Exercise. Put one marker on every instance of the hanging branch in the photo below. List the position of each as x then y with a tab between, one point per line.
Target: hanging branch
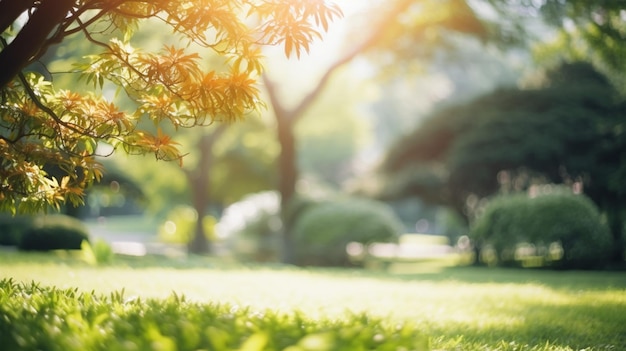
375	35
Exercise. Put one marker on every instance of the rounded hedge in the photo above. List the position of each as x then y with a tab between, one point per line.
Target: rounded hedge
501	228
322	232
565	230
55	232
12	227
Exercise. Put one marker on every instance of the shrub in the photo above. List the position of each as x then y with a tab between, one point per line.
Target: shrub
12	227
564	230
500	228
299	204
323	231
98	253
56	232
574	222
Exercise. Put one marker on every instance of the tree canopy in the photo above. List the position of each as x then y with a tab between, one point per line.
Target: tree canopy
42	127
589	29
569	130
390	27
556	129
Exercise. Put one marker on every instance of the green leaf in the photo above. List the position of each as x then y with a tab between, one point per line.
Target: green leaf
256	342
87	253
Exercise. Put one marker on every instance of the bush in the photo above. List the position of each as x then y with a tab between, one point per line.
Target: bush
322	232
12	227
98	253
584	238
298	205
56	232
563	230
501	228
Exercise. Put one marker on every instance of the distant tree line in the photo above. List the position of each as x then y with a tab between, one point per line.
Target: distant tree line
569	129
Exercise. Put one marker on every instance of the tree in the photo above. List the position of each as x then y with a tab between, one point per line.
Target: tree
202	162
222	174
384	33
225	162
587	31
568	131
332	132
43	127
199	181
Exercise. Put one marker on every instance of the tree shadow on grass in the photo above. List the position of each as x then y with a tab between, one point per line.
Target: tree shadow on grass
578	327
587	280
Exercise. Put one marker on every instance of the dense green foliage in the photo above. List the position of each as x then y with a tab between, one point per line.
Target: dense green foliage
56	232
206	70
253	228
592	32
42	233
12	227
97	254
562	230
566	129
34	318
322	232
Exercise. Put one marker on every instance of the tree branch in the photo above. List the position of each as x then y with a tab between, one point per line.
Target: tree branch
375	35
31	94
270	86
28	42
11	10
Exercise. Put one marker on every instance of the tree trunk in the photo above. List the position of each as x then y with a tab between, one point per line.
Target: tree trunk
199	244
30	40
10	10
287	178
286	120
200	182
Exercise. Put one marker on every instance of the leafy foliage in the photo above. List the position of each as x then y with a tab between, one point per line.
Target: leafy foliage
592	32
42	233
44	127
549	223
12	227
322	231
97	254
55	232
519	134
464	308
35	317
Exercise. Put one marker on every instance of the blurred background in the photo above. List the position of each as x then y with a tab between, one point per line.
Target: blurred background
407	133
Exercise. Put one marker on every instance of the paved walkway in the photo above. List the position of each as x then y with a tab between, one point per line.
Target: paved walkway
136	243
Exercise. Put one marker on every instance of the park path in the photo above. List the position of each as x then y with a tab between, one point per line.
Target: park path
134	243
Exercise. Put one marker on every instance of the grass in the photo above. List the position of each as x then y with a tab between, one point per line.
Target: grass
458	308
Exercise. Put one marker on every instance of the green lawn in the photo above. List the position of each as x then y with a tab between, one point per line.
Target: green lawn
458	308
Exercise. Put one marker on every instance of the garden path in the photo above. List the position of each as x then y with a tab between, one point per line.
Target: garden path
133	242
